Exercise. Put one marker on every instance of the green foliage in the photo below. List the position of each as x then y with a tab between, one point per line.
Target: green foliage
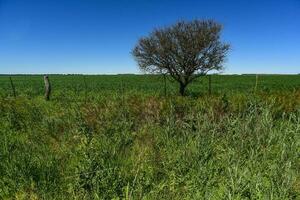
138	144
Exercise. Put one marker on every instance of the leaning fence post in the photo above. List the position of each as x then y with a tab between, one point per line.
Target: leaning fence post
12	87
122	92
256	83
47	88
209	84
165	85
85	89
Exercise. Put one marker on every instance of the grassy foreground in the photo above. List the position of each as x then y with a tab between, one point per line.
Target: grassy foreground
138	146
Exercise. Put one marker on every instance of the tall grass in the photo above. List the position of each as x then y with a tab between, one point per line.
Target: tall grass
141	146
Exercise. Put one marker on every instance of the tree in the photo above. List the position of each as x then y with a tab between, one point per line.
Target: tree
185	50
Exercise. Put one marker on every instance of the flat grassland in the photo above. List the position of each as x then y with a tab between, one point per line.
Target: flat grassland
130	137
32	85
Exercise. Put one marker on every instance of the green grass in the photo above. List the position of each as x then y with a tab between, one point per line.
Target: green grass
139	144
77	85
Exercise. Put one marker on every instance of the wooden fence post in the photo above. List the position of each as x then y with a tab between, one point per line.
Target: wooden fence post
85	89
165	85
12	87
256	83
122	92
209	84
47	88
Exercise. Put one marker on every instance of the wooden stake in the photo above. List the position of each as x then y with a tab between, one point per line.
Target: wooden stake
12	87
47	88
256	83
122	92
85	89
165	85
209	84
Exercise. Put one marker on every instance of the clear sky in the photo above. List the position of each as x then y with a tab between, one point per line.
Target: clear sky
97	36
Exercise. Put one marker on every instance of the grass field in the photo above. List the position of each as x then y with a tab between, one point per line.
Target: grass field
120	137
147	84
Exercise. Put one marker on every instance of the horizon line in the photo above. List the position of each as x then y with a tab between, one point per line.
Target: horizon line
114	74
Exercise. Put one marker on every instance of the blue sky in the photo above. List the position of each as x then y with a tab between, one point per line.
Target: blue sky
97	36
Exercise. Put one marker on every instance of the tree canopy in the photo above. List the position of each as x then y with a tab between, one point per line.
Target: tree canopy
185	50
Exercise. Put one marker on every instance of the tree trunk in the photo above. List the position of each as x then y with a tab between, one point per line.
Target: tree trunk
209	84
182	89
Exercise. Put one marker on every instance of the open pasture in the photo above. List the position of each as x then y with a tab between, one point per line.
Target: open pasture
120	137
78	85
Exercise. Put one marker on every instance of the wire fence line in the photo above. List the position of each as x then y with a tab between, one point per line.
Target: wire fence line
85	86
35	87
